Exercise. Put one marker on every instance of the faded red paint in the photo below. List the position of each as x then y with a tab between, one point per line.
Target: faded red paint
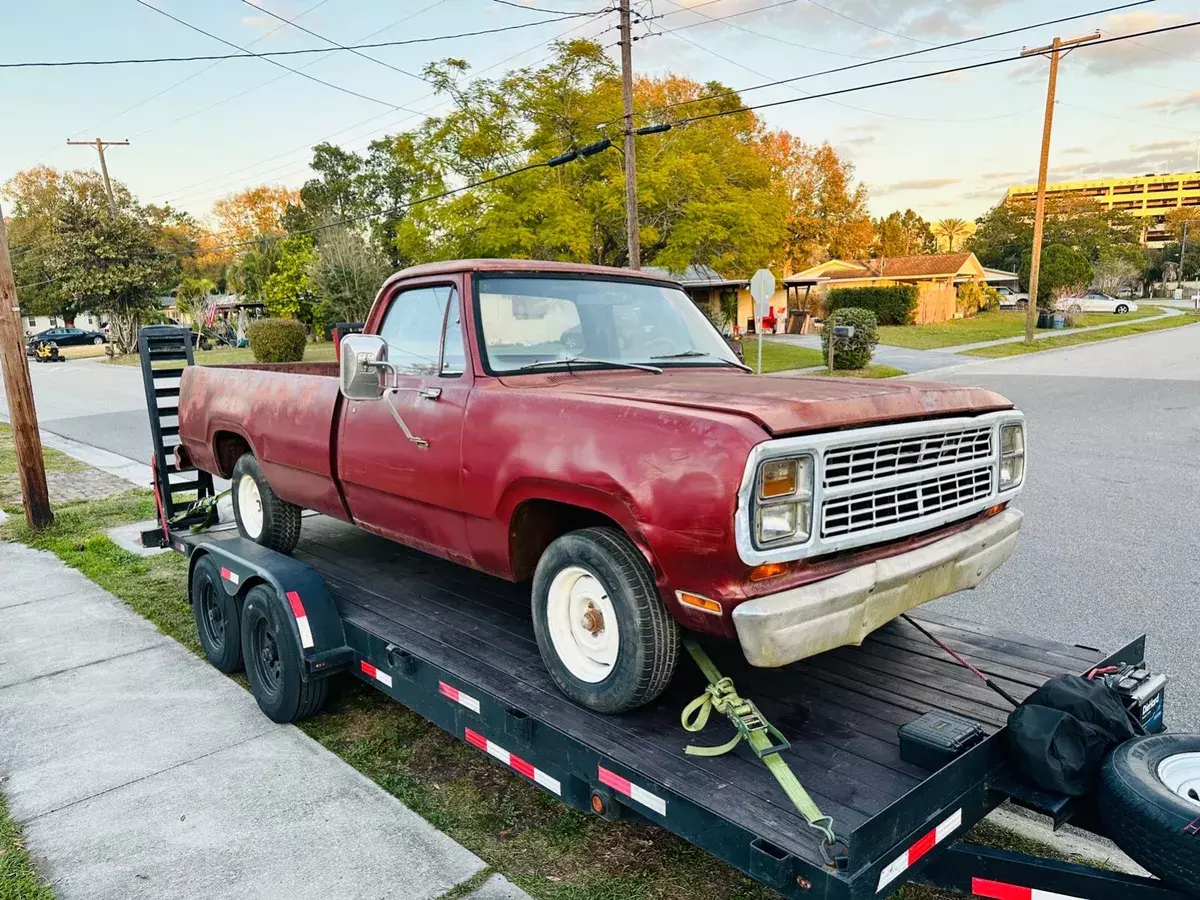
662	456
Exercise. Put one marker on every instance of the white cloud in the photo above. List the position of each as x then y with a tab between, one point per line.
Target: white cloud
914	184
1176	103
1158	50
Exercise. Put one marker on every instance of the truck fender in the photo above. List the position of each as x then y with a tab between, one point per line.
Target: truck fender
315	622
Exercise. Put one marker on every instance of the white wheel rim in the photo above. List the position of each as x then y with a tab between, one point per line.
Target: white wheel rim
1181	774
250	509
582	624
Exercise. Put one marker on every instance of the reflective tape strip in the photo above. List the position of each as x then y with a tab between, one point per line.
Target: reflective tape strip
306	635
458	696
927	842
378	675
998	890
515	762
632	791
231	577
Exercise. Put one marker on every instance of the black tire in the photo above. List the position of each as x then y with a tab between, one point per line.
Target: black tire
1147	819
218	617
97	340
648	649
1122	309
273	665
280	528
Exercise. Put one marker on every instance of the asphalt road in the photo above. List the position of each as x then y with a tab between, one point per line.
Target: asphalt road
1109	548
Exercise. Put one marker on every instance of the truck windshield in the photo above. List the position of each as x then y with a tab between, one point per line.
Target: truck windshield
542	320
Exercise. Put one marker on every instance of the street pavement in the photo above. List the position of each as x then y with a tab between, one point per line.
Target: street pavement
1109	543
138	771
900	357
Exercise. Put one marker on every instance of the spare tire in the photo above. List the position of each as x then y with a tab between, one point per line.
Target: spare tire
1150	805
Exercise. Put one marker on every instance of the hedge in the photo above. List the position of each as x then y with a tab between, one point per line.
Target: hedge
855	352
277	340
892	304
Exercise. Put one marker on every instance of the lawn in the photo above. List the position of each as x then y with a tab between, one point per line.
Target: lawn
1069	339
987	326
874	370
225	356
10	485
780	356
18	880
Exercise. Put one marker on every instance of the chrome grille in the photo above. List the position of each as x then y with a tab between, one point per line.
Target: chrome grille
868	510
895	456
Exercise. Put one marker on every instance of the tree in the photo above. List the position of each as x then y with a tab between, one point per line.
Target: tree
253	213
949	231
345	274
1118	267
1062	268
191	297
288	291
248	275
902	234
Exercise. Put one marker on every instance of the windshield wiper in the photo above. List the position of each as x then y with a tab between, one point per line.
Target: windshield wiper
586	361
687	354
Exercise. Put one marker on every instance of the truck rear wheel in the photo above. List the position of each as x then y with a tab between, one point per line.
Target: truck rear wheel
262	516
273	663
603	632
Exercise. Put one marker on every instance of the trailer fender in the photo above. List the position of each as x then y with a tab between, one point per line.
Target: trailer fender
316	623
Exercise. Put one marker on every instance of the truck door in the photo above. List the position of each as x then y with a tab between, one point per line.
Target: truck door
400	457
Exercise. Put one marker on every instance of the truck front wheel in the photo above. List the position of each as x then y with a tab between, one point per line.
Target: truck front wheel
261	515
603	632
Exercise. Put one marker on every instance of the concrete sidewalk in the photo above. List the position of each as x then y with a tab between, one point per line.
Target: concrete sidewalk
138	771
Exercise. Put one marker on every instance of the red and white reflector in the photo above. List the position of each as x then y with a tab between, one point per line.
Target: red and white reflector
634	792
306	637
230	576
928	841
512	761
458	696
378	674
998	890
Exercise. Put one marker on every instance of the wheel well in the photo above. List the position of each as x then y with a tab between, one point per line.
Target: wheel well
228	448
535	524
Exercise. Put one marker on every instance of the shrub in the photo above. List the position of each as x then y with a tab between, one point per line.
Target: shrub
855	352
1062	267
893	304
974	297
277	340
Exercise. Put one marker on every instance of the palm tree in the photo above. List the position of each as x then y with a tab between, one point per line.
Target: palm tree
950	230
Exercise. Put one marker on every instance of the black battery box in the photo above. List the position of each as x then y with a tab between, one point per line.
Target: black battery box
937	738
1143	693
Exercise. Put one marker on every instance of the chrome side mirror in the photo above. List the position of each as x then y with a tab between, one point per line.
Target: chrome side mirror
364	361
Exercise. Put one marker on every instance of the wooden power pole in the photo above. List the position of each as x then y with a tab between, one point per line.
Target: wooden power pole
100	145
22	416
632	228
1055	50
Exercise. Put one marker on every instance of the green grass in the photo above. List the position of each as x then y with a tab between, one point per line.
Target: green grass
987	326
874	370
226	356
779	356
10	485
18	880
1083	337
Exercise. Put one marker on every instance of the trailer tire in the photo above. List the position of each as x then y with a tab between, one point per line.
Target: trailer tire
590	582
262	515
218	617
1145	816
273	664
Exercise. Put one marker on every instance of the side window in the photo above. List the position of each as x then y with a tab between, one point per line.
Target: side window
413	331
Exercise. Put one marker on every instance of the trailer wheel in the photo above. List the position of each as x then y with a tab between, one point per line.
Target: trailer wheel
262	516
603	632
273	661
218	619
1150	805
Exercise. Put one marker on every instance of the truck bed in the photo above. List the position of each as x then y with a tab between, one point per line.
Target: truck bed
840	710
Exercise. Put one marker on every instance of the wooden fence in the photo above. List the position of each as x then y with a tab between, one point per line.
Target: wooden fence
935	303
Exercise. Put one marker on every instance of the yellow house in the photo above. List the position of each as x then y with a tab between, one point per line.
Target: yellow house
935	274
715	294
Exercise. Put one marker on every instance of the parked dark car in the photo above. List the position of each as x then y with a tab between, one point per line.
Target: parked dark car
67	337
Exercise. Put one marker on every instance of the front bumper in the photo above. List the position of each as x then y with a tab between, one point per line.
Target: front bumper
781	628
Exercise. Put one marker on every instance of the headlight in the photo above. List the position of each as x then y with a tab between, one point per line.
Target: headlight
1012	455
784	491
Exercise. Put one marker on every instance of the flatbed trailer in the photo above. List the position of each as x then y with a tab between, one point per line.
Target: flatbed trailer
456	646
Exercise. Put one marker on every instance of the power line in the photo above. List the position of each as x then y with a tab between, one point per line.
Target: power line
1108	115
557	12
270	54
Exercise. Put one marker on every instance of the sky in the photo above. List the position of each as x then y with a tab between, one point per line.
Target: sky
945	146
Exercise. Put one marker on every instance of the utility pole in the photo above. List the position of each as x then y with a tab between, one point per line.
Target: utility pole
1055	49
31	468
100	145
632	230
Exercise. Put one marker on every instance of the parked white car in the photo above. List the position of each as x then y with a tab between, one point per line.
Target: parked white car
1010	299
1095	301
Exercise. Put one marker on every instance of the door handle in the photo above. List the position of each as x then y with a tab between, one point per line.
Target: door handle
430	393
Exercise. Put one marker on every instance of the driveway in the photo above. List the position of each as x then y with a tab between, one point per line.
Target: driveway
1110	536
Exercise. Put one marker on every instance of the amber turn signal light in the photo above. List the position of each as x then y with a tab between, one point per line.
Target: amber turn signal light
698	602
779	479
767	570
992	510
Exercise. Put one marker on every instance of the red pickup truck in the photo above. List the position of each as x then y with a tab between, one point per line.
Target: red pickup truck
589	429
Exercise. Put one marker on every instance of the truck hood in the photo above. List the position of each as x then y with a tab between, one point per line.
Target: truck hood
783	405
